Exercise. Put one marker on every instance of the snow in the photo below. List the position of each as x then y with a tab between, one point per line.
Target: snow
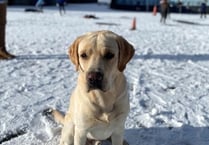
168	76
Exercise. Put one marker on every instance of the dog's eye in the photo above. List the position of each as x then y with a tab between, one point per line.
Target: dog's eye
109	56
83	55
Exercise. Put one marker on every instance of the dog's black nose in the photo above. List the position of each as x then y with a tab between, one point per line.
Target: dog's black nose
95	80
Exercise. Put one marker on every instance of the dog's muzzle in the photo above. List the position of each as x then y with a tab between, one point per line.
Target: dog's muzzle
95	80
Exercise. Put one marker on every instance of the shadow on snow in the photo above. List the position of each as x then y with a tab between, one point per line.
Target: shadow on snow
185	135
190	22
42	57
177	57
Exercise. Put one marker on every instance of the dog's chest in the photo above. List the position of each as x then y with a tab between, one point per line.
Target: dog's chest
103	127
105	118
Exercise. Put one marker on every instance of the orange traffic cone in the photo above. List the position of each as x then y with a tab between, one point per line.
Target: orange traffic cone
154	10
134	24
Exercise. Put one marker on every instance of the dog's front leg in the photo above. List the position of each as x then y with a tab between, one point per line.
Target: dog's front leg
80	136
67	135
117	137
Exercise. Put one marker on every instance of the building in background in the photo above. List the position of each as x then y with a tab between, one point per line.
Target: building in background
47	2
188	6
141	5
184	6
82	1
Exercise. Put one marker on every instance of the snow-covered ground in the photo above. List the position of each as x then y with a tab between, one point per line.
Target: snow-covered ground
168	76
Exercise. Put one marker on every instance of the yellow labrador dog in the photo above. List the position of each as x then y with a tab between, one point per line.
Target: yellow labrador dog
99	104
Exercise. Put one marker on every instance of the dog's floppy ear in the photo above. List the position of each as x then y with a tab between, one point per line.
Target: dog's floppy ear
73	52
126	52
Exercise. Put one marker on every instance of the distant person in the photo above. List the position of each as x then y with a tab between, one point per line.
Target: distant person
188	7
164	8
61	5
180	4
203	9
39	5
138	4
3	52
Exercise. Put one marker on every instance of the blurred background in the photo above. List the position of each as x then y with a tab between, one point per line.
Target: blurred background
182	6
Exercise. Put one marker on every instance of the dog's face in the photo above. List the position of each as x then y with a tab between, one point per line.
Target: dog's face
99	57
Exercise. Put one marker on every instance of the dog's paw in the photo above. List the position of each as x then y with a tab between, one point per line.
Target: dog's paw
97	143
93	142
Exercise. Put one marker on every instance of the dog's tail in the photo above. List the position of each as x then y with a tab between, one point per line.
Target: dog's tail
54	114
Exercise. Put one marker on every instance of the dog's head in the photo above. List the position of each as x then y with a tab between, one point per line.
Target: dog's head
99	57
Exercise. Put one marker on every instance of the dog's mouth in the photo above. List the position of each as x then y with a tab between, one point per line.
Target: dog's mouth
95	87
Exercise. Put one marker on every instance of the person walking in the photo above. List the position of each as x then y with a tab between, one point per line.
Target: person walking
4	54
39	5
203	9
61	5
180	6
163	10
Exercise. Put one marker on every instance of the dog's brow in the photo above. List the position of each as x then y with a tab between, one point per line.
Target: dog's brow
107	50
